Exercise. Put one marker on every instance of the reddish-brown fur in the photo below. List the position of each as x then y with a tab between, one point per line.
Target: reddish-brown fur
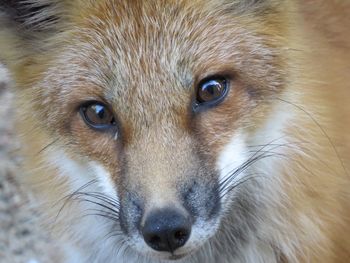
287	51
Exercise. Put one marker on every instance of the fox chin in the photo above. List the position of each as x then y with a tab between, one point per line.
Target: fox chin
186	131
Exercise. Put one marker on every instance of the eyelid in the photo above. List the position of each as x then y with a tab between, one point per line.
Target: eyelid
228	74
92	101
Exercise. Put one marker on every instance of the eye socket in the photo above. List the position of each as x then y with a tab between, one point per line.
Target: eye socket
97	115
210	92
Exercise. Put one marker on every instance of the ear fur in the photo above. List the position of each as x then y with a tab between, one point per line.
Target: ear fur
25	25
32	15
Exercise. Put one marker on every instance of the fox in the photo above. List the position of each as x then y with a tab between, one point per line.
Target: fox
190	131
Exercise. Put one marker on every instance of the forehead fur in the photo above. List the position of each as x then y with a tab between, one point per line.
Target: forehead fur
144	54
34	20
151	50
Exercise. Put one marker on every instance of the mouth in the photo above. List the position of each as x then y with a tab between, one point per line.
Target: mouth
177	257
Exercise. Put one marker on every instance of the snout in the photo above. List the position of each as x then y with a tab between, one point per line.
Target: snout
167	229
172	221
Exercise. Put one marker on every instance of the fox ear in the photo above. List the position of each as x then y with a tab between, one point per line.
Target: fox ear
30	15
25	27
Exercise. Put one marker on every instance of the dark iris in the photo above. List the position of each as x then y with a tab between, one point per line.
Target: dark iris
97	115
211	91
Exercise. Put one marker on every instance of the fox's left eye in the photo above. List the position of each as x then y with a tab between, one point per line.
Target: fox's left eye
97	115
210	92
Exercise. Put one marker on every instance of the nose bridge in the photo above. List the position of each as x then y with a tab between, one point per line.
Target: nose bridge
158	162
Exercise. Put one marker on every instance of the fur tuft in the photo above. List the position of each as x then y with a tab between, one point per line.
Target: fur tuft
31	15
27	27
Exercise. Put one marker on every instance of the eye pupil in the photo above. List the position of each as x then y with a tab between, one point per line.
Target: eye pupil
99	111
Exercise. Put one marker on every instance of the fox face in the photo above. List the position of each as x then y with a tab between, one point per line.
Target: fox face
152	114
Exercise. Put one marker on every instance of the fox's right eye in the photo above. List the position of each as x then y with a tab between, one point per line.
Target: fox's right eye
97	115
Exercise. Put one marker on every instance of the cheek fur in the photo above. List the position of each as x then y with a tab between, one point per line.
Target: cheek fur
81	173
104	179
215	127
101	146
230	160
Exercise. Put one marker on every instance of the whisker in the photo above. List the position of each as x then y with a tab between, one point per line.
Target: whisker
322	130
244	167
48	145
102	215
109	200
69	197
100	211
280	144
229	188
99	204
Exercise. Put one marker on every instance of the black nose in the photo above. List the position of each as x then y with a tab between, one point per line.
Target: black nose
166	230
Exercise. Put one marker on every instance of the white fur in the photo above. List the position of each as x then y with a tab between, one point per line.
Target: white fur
104	179
231	158
86	229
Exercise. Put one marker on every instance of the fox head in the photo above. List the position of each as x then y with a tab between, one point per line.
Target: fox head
152	113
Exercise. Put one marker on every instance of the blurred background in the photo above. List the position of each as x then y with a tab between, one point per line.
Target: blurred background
21	238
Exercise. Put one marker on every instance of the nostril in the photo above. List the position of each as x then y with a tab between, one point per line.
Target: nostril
155	240
181	236
166	230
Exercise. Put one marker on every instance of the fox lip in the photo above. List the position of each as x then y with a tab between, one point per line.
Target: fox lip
177	257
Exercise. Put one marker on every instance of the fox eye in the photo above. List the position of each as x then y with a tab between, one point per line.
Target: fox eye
210	92
97	115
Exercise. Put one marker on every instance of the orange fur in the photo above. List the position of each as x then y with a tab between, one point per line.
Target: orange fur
287	59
